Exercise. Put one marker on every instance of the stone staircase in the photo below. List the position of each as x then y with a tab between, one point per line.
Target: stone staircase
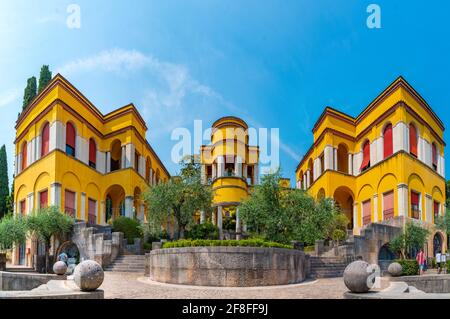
327	267
128	263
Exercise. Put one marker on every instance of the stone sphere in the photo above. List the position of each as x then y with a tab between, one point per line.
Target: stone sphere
88	275
355	276
395	269
60	268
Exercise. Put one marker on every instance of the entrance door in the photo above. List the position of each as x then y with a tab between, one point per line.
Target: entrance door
22	249
437	244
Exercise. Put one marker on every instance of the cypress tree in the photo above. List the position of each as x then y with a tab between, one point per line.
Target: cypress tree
4	183
44	77
30	92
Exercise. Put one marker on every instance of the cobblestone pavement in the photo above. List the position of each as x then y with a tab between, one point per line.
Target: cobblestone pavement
126	285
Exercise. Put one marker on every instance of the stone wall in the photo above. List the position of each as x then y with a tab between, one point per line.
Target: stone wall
429	283
25	281
227	266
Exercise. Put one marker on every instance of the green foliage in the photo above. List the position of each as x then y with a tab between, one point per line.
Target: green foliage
443	222
44	77
413	237
30	92
180	197
203	231
4	183
410	267
229	223
338	235
282	215
131	228
13	231
447	192
147	246
239	243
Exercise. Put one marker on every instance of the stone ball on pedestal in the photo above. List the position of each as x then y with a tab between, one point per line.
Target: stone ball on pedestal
60	268
395	269
88	275
356	275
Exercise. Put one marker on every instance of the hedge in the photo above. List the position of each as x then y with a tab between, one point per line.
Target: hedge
240	243
410	267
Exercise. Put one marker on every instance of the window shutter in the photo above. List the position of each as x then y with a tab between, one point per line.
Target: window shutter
388	205
24	156
366	156
434	154
92	151
387	141
366	212
43	200
413	140
45	140
70	135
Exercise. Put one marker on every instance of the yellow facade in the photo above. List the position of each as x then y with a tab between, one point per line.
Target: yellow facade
104	180
230	166
334	165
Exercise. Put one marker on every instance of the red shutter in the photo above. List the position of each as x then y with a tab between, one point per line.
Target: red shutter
45	140
412	140
366	212
388	149
388	205
69	202
436	209
414	198
92	151
43	200
70	135
91	211
24	156
366	156
22	207
434	155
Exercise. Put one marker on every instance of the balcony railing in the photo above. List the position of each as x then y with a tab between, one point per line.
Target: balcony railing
415	213
92	219
366	220
70	211
388	214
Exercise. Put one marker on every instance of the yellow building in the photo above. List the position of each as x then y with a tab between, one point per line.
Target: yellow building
387	162
68	154
230	166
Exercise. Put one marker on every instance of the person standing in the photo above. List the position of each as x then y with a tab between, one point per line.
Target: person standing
421	261
439	261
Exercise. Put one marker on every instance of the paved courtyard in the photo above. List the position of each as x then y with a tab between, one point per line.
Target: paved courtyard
126	285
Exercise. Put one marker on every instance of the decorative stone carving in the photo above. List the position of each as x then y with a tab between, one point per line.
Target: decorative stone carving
395	269
356	275
60	268
88	275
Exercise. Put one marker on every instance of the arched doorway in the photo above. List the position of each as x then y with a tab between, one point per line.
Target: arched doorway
437	243
385	257
114	202
343	197
116	155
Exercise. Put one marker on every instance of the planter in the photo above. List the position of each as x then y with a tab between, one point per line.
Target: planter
227	266
2	261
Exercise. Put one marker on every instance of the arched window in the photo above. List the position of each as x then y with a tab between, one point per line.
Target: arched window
434	155
24	155
366	156
70	139
311	172
92	153
45	136
387	141
413	140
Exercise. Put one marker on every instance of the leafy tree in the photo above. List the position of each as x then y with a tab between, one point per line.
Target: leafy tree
10	199
203	231
29	92
443	222
130	228
46	223
13	231
44	77
4	183
411	239
447	192
180	197
282	215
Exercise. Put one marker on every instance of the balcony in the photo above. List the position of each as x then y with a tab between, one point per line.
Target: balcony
415	212
388	214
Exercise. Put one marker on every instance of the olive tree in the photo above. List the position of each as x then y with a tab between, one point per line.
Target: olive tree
13	231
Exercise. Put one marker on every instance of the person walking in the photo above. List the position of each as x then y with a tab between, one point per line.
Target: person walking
439	261
421	261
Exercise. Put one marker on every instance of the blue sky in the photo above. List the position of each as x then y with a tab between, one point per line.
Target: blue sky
276	64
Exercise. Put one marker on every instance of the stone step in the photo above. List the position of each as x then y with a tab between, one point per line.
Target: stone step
20	269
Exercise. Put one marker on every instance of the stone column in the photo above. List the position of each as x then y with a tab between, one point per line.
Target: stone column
202	217
402	190
238	224
375	209
219	221
335	159
327	158
83	213
55	195
108	162
220	166
123	158
308	178
129	206
30	203
355	216
102	213
429	211
238	166
350	164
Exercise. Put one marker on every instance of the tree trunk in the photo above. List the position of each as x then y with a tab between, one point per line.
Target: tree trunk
47	261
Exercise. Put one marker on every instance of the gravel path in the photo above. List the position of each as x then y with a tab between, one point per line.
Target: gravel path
131	286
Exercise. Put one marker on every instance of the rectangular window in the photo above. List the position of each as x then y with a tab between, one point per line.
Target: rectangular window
415	209
322	163
22	207
436	210
388	205
136	161
43	199
92	218
69	203
366	212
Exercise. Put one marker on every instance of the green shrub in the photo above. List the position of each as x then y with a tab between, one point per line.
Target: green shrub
240	243
203	231
410	267
310	248
130	228
147	246
229	223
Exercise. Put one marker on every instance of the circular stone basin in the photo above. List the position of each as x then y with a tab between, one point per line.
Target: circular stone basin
227	266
